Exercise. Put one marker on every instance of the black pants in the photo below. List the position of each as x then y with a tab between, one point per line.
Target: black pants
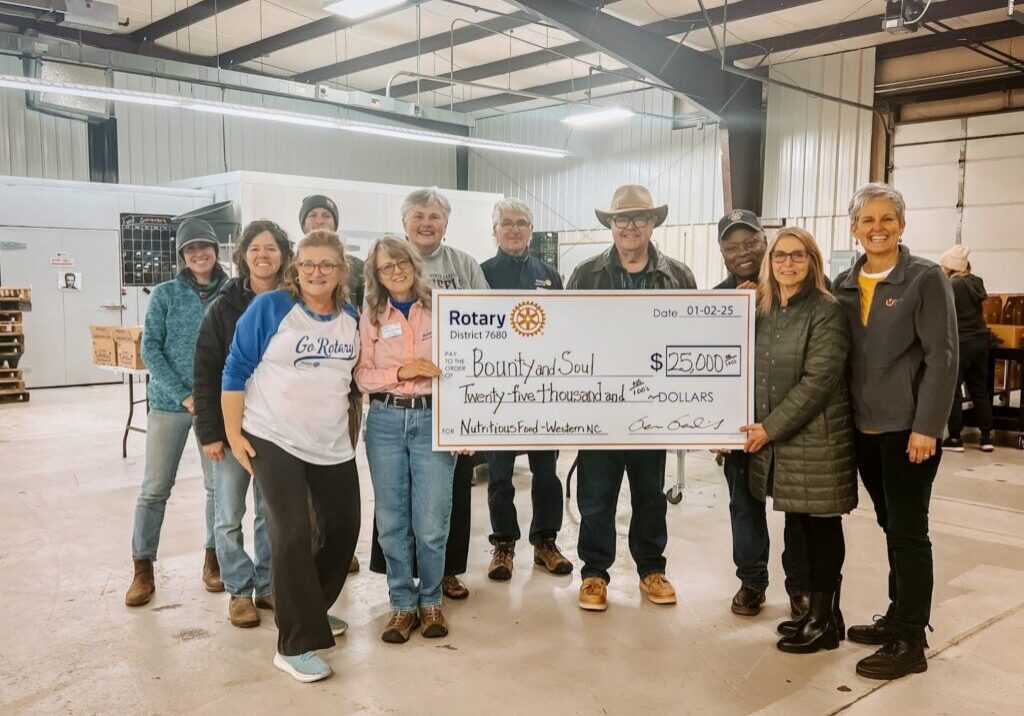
826	548
457	550
973	372
597	492
308	572
546	491
901	491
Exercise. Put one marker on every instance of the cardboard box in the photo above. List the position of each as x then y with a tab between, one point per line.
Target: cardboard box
1011	336
104	349
129	347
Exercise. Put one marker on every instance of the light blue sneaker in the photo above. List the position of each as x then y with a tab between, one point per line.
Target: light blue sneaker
306	667
338	626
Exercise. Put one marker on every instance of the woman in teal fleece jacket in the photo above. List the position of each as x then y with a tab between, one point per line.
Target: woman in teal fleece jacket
175	313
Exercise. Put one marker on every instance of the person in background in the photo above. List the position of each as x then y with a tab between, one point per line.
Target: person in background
262	255
514	268
742	242
320	212
632	263
425	214
902	376
801	447
168	347
291	417
968	296
412	484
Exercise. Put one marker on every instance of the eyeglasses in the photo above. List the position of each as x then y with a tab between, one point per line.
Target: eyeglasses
640	221
389	269
326	267
521	224
798	256
750	245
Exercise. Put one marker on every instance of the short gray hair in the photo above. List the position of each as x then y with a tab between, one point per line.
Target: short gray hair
877	190
426	197
512	206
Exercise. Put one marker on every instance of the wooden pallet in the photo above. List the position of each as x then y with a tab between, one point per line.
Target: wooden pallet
14	396
22	295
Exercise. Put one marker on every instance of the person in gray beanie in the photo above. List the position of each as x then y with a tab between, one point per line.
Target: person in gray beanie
320	212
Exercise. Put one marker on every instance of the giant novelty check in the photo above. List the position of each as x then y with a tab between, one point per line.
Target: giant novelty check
592	369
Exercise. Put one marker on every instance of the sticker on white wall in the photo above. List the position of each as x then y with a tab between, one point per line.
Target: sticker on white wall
69	281
62	259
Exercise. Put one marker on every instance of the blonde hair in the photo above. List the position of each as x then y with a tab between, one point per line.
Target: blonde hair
319	238
768	292
377	294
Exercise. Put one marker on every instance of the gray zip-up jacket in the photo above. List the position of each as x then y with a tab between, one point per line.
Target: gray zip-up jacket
903	363
450	268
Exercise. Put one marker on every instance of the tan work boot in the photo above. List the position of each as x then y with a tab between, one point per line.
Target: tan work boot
548	556
242	612
432	619
211	572
658	589
400	626
453	588
353	566
143	585
501	563
594	594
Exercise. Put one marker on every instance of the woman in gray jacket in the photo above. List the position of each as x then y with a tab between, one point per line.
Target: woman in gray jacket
802	442
902	376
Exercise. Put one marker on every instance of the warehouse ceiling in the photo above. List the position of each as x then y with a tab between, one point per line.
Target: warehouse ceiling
507	48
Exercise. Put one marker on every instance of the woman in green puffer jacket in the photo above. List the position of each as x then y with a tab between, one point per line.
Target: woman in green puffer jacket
802	443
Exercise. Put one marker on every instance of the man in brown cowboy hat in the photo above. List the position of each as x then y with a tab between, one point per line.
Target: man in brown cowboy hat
632	263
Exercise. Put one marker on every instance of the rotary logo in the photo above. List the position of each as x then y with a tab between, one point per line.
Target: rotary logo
527	319
736	216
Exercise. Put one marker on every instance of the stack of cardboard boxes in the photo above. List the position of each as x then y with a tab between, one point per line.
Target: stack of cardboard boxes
117	346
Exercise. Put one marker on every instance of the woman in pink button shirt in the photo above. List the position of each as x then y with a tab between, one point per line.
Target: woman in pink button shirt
412	484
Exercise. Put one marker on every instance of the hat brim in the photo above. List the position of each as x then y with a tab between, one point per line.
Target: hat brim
660	214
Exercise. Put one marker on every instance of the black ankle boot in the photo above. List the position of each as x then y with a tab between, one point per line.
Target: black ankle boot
818	632
877	633
901	655
791	626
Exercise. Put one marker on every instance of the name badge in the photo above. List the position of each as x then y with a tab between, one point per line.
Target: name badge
391	330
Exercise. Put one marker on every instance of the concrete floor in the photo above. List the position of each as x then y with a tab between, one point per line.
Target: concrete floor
69	645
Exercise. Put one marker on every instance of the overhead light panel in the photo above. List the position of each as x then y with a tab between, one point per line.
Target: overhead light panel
601	116
77	90
355	9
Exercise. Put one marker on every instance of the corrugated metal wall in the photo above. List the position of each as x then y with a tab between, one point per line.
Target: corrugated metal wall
157	145
681	167
817	153
33	144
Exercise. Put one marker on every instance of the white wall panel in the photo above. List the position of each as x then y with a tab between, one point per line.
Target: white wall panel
682	168
157	145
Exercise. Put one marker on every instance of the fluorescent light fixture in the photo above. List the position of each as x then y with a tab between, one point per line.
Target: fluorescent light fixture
271	114
601	116
355	9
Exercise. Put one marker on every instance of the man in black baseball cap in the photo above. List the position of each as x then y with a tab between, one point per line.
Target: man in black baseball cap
742	242
320	212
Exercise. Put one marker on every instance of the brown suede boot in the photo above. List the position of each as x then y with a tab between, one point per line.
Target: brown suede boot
242	612
211	572
143	585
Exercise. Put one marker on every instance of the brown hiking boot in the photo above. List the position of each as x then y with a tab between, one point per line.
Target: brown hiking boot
748	601
434	625
265	602
594	594
211	572
400	626
548	556
658	589
501	563
242	612
353	565
453	588
143	585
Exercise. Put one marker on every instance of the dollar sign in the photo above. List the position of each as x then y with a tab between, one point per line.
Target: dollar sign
656	364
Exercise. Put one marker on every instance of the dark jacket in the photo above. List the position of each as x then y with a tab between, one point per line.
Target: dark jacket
602	272
968	296
903	363
801	398
356	281
212	347
524	272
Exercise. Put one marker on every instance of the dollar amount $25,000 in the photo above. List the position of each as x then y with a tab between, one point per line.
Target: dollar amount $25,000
698	361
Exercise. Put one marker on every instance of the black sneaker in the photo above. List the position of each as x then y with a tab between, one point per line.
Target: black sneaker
900	656
878	633
986	443
953	445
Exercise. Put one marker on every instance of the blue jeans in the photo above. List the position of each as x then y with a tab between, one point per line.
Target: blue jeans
412	489
750	535
166	433
241	574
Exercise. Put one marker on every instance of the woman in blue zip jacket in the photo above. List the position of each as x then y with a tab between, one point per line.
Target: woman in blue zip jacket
173	318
